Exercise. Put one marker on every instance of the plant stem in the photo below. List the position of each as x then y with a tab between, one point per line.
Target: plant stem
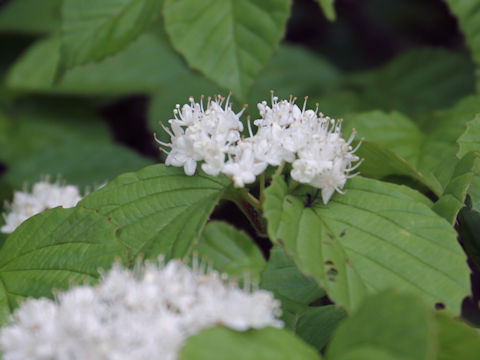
262	188
280	168
293	186
250	207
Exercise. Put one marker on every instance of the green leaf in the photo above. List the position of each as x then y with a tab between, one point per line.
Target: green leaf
282	277
143	66
453	198
316	324
159	209
45	141
398	326
228	41
328	8
457	340
230	250
470	139
467	13
377	236
269	343
391	165
93	29
30	16
294	70
415	82
429	147
54	250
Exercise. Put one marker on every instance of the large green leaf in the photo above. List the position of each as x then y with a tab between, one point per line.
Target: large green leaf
54	250
457	340
159	209
93	29
316	324
468	15
379	235
395	325
30	16
230	251
143	66
77	147
221	343
229	41
328	8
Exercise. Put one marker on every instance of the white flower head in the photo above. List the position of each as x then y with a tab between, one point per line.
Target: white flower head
44	195
134	315
307	139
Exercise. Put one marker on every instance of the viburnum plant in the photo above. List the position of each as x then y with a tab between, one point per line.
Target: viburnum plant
273	230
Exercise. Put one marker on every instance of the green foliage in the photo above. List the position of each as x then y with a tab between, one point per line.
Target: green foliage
282	277
93	29
453	198
377	236
54	250
265	344
159	209
30	16
456	340
467	13
229	41
138	68
316	324
230	251
84	153
394	325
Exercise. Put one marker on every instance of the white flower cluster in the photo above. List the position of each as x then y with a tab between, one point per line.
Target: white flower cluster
310	141
43	196
134	315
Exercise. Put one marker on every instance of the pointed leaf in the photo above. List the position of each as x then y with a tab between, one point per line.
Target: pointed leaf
328	8
159	209
54	250
93	29
229	41
377	236
230	250
269	343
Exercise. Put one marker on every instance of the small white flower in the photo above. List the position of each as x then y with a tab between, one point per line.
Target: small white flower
44	196
134	315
